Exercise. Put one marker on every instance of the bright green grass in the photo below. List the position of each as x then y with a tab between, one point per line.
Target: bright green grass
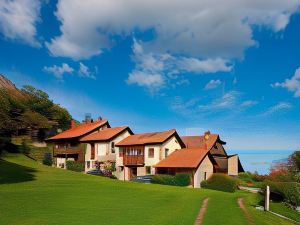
31	193
282	209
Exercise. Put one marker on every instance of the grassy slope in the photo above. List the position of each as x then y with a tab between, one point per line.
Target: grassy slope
31	193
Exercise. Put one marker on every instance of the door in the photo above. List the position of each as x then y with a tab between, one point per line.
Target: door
132	172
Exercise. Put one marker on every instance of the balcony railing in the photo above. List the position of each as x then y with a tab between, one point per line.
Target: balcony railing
57	151
133	160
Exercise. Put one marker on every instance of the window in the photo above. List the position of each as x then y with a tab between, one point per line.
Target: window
204	175
112	147
88	164
166	152
92	151
148	169
151	153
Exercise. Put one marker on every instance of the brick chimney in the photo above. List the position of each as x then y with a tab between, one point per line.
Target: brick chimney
73	124
206	135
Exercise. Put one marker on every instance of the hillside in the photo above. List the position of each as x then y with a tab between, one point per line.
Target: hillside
28	109
31	193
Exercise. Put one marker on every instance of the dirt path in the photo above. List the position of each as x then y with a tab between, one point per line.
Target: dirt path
201	213
245	211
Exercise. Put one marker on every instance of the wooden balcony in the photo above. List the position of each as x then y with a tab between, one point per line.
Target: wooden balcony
67	151
131	160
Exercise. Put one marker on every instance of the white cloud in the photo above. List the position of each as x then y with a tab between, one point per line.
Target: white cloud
18	20
281	106
59	71
212	84
144	79
249	103
165	68
84	71
198	29
292	84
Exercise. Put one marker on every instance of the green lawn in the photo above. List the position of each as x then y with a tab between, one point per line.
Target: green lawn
31	193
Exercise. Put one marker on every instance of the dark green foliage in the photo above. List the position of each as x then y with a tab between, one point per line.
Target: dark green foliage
6	145
294	166
75	166
47	159
177	180
289	190
220	182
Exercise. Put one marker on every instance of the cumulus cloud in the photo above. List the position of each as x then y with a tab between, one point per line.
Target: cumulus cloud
18	20
212	84
292	84
155	69
198	29
84	71
59	71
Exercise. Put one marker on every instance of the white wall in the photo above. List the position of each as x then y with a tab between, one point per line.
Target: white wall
233	165
205	166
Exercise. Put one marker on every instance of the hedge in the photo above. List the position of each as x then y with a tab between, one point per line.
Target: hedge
220	182
289	190
75	166
177	180
47	160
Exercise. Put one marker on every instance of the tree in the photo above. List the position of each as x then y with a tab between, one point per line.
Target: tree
294	165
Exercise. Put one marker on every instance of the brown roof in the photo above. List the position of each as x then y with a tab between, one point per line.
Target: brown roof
199	142
184	158
79	131
149	138
106	134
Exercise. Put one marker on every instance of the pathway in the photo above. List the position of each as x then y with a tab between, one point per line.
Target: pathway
245	211
201	213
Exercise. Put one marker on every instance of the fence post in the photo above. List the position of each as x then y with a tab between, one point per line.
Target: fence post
267	199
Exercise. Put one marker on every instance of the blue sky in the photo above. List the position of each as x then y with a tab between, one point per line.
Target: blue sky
192	65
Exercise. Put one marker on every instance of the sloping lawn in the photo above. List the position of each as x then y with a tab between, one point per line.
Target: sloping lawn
31	193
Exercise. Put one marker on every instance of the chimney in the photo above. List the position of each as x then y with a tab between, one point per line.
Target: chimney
73	124
206	135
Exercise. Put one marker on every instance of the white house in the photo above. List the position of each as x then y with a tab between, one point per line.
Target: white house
137	154
100	146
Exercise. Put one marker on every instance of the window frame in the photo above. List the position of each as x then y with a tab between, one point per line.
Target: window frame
152	154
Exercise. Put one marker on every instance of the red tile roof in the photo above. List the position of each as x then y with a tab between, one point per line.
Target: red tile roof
104	135
184	158
148	138
199	142
82	129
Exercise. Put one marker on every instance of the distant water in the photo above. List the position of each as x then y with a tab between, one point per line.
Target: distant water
260	160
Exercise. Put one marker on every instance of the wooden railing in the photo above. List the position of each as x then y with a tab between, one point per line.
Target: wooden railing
133	160
66	151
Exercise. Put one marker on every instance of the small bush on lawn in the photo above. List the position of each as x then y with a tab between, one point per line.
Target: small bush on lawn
47	160
75	166
25	149
177	180
220	182
289	190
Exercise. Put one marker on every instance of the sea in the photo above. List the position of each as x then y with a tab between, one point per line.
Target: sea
260	160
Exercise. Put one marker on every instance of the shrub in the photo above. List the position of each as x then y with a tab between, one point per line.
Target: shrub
220	182
289	190
6	145
75	166
177	180
182	179
47	160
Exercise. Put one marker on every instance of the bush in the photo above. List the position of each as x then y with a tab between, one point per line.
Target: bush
6	145
289	190
220	182
75	166
182	179
47	160
177	180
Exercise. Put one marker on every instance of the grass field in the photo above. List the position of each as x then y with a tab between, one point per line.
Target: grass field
31	193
